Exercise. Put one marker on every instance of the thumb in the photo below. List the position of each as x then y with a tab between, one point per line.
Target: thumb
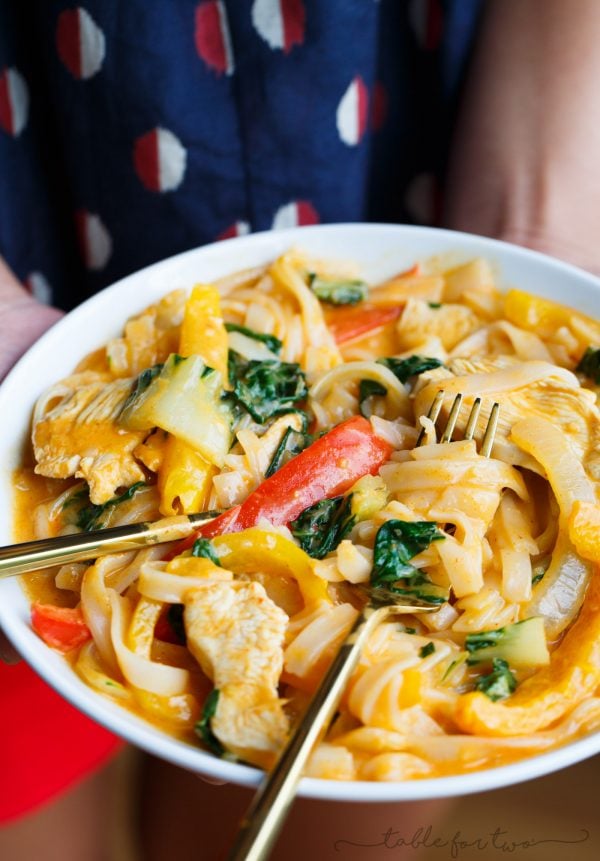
7	653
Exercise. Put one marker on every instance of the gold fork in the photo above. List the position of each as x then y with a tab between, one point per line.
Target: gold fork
48	552
269	808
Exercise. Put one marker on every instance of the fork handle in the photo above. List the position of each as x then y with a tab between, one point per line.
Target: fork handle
270	806
47	552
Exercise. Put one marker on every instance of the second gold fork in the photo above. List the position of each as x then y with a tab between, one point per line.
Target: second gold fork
269	808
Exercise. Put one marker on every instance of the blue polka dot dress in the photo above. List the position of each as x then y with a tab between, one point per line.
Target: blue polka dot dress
132	131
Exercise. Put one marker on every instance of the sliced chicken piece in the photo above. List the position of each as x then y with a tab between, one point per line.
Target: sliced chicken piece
236	633
75	434
523	389
149	337
450	323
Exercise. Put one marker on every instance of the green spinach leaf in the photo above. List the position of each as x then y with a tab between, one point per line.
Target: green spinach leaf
203	728
92	516
320	528
141	384
204	548
397	541
498	684
338	292
366	390
273	343
410	367
427	650
590	365
266	389
292	443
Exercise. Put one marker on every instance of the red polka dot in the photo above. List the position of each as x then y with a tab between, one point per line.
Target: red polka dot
352	112
160	160
80	43
295	214
238	228
281	23
95	242
145	159
14	102
212	38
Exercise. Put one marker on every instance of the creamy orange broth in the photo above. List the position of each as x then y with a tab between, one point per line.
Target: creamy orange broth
32	490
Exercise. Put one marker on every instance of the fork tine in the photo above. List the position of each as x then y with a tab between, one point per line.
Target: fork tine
452	419
434	411
490	431
471	426
473	416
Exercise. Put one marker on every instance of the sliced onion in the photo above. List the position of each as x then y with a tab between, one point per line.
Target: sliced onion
559	595
141	672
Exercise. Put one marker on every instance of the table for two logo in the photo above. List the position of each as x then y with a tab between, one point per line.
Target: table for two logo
424	837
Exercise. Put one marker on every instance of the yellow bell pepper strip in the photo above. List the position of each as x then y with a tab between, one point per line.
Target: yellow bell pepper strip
185	477
203	332
584	529
257	550
544	317
572	675
327	468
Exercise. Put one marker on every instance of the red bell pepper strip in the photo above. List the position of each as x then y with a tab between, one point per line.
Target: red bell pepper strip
351	322
327	468
62	628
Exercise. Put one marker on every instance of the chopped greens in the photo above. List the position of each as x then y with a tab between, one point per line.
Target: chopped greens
338	292
141	384
522	644
590	364
427	650
396	542
292	443
499	684
175	620
92	516
266	389
366	390
410	367
320	528
435	305
419	588
203	728
204	548
273	343
185	399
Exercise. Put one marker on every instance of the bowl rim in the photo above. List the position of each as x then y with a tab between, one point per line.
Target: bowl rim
143	734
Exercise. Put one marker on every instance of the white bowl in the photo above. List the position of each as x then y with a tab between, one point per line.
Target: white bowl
381	250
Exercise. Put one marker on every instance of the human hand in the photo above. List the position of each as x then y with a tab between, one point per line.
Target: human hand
523	164
7	654
22	321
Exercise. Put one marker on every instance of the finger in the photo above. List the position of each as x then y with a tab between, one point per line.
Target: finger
7	653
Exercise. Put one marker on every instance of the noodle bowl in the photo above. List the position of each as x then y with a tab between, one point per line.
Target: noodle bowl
271	589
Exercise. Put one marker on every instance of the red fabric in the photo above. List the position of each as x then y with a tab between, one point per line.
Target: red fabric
45	744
